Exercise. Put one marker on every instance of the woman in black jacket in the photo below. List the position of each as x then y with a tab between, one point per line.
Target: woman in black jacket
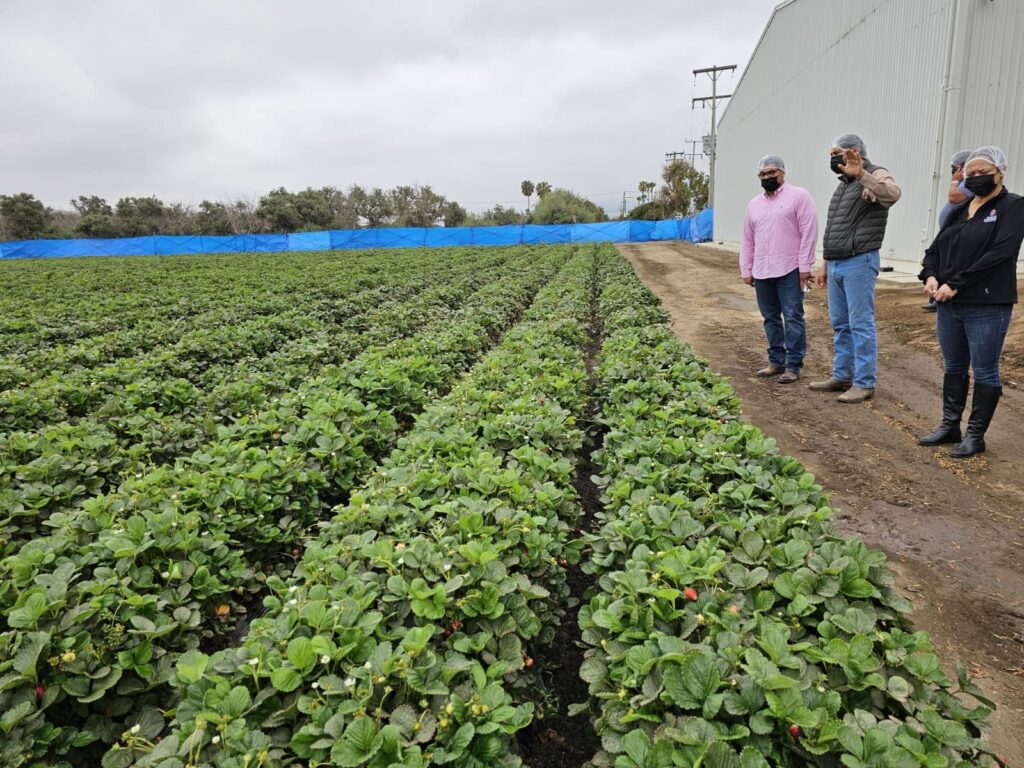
971	271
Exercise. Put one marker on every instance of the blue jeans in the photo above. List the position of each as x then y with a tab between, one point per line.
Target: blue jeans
851	311
781	301
972	335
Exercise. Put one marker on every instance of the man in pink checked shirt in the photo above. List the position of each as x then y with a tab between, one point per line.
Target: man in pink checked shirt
776	257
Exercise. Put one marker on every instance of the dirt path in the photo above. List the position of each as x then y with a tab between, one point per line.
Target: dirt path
954	531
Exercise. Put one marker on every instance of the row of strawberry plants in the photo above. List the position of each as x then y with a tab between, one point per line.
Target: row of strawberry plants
220	345
99	310
62	465
404	636
312	429
731	625
51	307
102	606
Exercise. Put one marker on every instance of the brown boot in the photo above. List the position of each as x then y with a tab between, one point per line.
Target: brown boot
771	370
830	385
789	377
856	395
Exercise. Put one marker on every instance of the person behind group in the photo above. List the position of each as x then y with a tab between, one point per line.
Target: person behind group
971	271
776	257
854	231
957	193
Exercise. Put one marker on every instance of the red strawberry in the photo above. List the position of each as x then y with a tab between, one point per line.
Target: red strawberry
456	625
690	593
794	731
529	662
541	400
1002	760
564	563
40	692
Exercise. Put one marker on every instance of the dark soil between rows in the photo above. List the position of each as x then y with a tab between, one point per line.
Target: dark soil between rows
557	740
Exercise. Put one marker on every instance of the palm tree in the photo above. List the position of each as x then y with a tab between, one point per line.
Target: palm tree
646	188
527	189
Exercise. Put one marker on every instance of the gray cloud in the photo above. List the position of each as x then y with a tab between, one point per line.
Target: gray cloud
192	99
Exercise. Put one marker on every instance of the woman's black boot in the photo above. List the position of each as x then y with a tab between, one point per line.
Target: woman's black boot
982	408
954	399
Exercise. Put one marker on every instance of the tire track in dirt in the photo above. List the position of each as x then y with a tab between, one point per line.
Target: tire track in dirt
953	531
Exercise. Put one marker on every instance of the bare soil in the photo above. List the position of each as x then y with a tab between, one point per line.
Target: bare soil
953	530
556	740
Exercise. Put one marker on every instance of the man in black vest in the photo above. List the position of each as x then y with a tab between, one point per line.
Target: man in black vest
854	231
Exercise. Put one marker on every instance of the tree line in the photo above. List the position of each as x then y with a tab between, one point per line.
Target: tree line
24	217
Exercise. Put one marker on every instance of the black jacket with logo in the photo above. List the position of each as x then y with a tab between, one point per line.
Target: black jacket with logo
978	256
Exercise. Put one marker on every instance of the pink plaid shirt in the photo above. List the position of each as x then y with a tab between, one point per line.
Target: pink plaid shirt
779	233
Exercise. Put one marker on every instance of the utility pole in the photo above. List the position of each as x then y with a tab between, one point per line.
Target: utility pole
693	151
713	73
671	157
624	204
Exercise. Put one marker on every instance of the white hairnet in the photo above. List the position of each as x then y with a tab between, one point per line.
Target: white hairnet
994	155
850	141
771	161
960	158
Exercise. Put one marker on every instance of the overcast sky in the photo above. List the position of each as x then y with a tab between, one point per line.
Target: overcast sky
193	99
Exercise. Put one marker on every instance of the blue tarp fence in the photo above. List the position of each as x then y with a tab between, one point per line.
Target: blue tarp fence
693	228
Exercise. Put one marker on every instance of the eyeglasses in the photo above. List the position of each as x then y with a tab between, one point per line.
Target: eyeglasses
769	174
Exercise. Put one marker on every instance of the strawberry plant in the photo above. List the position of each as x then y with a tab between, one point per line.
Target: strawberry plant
422	597
731	625
126	581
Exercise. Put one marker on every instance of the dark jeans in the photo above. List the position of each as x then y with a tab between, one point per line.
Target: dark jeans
781	301
971	336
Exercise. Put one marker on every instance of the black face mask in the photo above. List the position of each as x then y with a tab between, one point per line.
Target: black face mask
835	161
981	186
770	184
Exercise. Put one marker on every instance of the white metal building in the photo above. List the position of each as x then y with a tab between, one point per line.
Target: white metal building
916	79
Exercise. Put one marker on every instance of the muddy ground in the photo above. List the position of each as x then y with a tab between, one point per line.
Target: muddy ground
953	530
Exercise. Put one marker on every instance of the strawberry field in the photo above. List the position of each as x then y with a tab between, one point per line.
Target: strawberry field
422	507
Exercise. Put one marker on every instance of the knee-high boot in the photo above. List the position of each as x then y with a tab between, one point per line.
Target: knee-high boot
954	399
983	406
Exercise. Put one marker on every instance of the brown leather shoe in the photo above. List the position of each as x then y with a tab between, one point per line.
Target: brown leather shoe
856	395
789	377
771	370
830	385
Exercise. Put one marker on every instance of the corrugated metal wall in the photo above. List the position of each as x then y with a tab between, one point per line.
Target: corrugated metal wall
877	68
993	99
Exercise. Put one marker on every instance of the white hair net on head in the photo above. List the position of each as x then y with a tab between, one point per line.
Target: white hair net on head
994	155
771	161
850	141
960	158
